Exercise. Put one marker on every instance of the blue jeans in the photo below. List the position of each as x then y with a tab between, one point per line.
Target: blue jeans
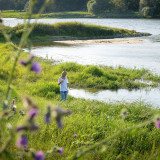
63	95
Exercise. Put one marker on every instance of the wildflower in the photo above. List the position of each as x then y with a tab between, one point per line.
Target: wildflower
23	62
36	67
22	112
13	100
124	112
75	135
33	112
13	107
47	118
158	124
22	142
59	113
39	155
31	56
9	126
60	150
20	128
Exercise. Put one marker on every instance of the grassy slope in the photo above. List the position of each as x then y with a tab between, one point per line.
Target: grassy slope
91	120
70	29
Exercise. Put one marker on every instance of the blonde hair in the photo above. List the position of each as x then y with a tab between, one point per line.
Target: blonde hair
64	72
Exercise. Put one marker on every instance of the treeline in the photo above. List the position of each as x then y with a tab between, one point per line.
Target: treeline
54	6
145	7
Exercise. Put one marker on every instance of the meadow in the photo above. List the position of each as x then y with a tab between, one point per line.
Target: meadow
94	130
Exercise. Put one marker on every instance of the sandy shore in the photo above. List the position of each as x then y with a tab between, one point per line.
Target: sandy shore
102	41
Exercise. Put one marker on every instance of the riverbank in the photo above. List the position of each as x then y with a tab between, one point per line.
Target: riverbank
127	128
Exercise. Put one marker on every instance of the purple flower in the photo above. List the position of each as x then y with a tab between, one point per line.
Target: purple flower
36	67
39	155
60	150
31	56
22	142
21	128
23	62
22	112
124	112
13	100
11	105
47	119
33	112
75	135
158	124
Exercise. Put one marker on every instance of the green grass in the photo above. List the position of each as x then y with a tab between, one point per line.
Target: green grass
92	121
71	29
76	14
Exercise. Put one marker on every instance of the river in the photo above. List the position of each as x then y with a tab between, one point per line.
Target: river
144	55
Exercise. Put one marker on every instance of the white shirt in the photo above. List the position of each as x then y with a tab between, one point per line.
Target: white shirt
63	85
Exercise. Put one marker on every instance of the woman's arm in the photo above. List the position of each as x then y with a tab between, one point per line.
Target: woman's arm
60	82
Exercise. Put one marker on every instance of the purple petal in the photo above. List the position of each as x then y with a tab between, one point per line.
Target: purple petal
47	119
31	56
36	67
23	62
39	155
33	112
22	142
60	150
158	124
125	112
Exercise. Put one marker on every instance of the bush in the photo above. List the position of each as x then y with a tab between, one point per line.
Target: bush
94	70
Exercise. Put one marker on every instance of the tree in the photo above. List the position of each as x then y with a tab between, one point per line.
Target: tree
97	6
133	5
4	4
150	7
119	5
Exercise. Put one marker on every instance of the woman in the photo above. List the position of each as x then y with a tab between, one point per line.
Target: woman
63	82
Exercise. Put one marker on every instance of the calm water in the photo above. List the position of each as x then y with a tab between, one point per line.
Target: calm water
151	96
145	55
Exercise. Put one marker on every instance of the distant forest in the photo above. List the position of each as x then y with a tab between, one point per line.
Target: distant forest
145	7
